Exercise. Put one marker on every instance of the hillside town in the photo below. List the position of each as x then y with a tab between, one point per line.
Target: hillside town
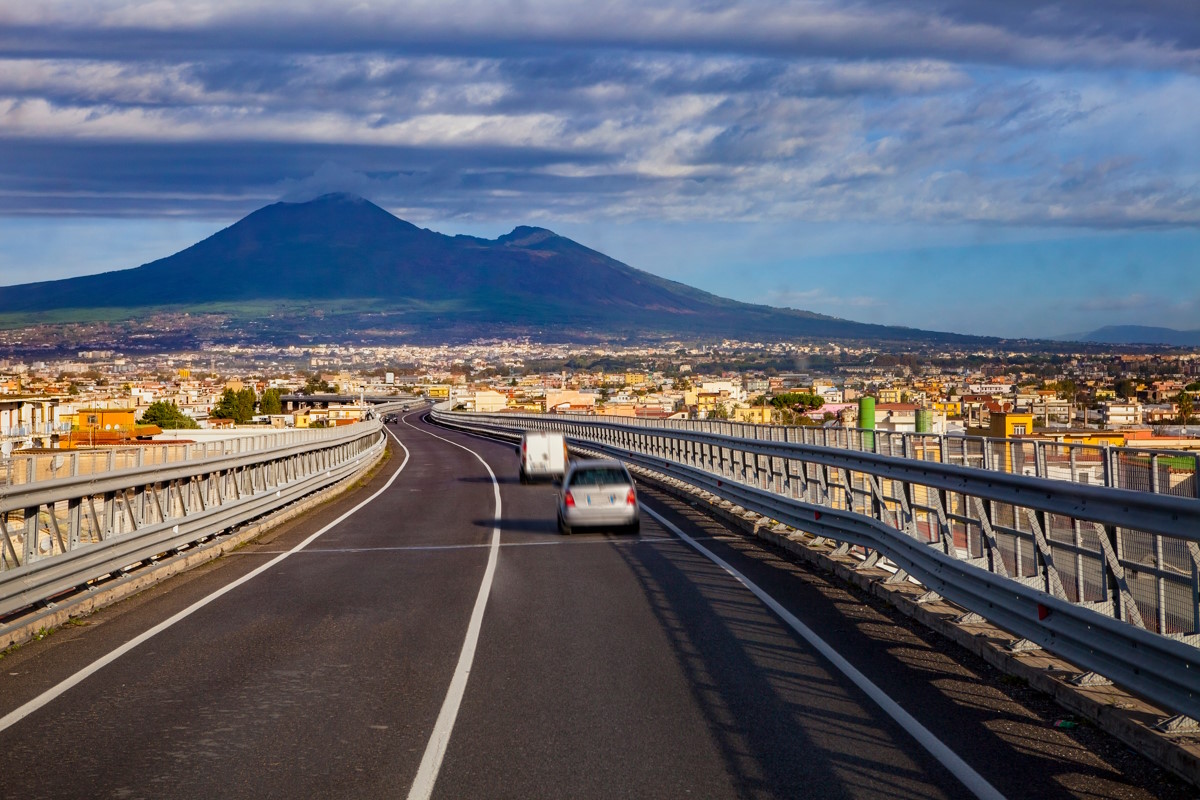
103	398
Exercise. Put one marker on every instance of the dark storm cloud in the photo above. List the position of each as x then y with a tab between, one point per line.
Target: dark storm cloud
925	110
1063	33
1174	23
228	179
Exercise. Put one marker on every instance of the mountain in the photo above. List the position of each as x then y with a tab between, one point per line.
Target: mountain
1138	334
340	265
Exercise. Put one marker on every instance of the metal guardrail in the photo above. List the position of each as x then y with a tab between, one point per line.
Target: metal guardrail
28	468
62	533
1107	578
1139	468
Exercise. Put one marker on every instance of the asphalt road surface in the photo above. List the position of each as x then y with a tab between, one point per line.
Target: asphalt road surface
425	646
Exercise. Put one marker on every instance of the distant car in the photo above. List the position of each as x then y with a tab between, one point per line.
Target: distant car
599	494
543	455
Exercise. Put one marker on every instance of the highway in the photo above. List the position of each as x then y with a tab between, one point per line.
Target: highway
431	634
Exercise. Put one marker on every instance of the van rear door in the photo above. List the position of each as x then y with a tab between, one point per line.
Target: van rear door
543	455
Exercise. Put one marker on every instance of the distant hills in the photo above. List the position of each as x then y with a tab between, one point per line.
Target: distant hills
1137	334
340	266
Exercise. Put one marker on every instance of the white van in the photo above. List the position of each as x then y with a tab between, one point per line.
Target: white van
543	455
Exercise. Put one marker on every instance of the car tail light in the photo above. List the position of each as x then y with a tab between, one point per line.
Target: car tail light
631	498
568	500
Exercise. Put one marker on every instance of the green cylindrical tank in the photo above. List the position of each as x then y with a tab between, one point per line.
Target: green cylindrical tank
866	420
866	412
924	420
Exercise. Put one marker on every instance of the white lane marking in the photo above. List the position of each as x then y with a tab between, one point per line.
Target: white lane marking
582	538
439	739
974	782
50	694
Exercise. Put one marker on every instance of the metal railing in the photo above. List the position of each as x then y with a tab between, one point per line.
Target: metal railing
59	533
29	468
30	429
1105	577
1157	470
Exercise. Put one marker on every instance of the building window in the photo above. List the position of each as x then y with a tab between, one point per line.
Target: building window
1019	430
93	419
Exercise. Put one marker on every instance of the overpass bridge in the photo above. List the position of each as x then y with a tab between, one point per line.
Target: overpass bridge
293	402
432	635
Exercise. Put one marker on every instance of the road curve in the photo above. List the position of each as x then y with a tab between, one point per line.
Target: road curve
602	666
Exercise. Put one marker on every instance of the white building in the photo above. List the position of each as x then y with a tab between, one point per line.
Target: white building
486	401
733	388
992	389
1115	415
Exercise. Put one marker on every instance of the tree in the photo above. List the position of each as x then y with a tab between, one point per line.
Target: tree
245	404
1184	401
803	401
237	406
1066	389
316	385
270	402
1126	388
166	415
226	407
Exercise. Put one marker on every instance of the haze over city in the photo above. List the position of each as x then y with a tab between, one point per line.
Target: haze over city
1016	170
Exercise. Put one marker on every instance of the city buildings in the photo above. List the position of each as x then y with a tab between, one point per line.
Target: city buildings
46	402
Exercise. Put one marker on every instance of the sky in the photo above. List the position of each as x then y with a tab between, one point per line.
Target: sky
1017	169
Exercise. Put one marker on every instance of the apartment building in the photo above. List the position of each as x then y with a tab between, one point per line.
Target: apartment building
1117	415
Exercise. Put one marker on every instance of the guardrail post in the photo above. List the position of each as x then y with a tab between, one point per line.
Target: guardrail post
31	535
1195	592
110	515
1160	587
1113	568
74	522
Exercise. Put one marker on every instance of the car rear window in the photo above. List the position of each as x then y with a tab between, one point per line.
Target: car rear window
598	477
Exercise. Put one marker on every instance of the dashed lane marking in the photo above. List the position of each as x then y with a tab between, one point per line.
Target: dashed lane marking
578	539
439	739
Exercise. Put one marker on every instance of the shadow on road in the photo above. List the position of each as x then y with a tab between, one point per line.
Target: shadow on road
538	525
504	480
788	724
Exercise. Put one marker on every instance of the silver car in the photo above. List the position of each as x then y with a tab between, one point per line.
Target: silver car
598	493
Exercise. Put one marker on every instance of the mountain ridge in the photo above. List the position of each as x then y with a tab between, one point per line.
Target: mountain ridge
1137	335
342	250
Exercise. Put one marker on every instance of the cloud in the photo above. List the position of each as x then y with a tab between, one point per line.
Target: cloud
1068	33
330	178
768	110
